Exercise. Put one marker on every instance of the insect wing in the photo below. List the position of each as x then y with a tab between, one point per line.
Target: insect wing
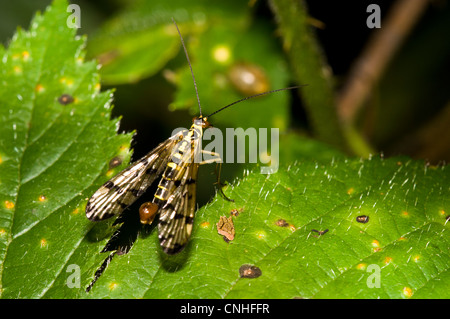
177	214
124	188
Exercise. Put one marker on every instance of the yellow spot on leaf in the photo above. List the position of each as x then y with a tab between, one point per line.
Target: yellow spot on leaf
405	213
43	243
416	258
361	266
2	232
25	55
402	238
376	246
42	198
39	88
350	191
76	211
17	69
407	291
112	285
261	235
221	53
9	205
387	260
66	81
442	212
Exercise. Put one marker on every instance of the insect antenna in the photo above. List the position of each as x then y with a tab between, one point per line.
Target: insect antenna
190	66
252	96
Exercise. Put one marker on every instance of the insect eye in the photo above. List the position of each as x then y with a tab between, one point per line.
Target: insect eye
201	121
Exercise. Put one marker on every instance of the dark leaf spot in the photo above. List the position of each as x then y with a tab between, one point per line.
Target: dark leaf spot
65	99
115	161
362	219
282	223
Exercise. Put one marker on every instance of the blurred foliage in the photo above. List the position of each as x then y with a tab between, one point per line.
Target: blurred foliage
218	36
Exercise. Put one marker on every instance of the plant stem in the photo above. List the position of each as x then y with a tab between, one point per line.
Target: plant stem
309	67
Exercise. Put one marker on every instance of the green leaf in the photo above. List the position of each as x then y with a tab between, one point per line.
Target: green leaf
56	139
141	39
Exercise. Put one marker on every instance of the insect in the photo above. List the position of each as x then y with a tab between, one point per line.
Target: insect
175	162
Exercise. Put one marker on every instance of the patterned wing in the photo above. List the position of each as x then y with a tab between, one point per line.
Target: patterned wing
177	214
123	189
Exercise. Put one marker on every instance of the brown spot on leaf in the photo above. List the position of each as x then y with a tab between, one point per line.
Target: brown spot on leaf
249	271
236	212
282	223
225	227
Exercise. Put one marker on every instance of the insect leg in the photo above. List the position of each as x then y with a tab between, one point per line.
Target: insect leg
217	159
219	183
